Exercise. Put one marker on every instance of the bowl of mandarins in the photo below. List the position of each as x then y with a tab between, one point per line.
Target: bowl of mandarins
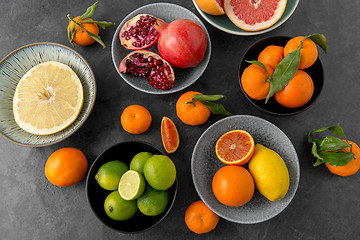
282	75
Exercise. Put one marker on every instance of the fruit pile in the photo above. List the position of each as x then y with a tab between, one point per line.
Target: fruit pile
141	186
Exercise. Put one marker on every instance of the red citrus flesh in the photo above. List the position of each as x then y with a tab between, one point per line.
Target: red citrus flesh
169	135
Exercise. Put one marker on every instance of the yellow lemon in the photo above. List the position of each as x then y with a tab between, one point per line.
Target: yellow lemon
270	173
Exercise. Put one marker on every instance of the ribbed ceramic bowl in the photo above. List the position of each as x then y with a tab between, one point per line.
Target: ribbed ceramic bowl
16	64
96	195
204	165
183	77
224	24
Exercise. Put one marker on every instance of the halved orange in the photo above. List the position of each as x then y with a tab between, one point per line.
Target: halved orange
169	135
235	147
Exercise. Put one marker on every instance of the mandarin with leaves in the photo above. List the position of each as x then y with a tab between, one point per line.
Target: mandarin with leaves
82	38
309	52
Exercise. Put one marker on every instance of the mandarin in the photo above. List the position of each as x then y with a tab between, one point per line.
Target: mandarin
135	119
271	56
309	52
212	7
199	218
81	37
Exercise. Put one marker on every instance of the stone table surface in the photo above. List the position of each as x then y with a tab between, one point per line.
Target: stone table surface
325	206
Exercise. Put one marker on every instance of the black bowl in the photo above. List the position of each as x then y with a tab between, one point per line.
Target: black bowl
272	107
96	195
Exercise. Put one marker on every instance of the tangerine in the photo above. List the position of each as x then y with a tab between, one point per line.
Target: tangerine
81	37
212	7
199	218
255	81
233	186
309	52
297	92
271	56
66	167
352	167
135	119
235	147
191	113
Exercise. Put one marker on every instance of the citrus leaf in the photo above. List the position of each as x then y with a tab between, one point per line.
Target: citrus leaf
73	35
89	12
318	162
330	143
216	108
70	37
315	152
284	72
207	97
336	129
101	24
320	40
96	38
336	158
260	64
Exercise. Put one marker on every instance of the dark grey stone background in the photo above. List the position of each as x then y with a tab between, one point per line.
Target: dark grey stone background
325	206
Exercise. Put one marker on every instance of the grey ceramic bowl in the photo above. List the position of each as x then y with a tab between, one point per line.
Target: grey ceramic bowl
16	64
224	24
183	77
204	165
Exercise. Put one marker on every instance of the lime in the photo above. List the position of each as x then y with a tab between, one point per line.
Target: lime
139	160
109	174
119	209
153	202
132	185
160	172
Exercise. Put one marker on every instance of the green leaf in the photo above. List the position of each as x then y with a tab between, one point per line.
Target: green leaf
260	64
89	12
314	151
330	143
320	40
284	72
73	35
101	24
207	97
69	37
318	162
96	38
216	108
337	130
336	158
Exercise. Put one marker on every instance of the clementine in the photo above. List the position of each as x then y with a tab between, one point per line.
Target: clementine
309	52
81	37
199	218
271	56
135	119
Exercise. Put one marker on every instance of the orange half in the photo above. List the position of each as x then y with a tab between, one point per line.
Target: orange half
235	147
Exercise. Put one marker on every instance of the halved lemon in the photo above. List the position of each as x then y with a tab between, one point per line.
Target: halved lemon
235	147
48	98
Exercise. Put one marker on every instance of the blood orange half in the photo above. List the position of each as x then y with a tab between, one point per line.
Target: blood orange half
235	147
254	15
169	135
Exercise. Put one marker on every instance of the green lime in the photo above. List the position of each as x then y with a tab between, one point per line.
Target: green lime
119	209
139	160
153	202
109	174
160	172
132	185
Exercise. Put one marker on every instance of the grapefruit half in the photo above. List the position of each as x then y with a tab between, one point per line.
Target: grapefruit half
254	15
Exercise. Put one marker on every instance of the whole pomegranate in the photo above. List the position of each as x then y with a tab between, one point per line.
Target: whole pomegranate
182	42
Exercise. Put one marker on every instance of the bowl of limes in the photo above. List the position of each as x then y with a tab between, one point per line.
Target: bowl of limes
131	186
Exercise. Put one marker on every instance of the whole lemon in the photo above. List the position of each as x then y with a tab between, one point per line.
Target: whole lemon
270	173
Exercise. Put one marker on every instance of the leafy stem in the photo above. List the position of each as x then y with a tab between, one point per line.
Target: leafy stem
207	100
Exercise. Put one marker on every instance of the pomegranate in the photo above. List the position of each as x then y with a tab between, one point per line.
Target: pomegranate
150	65
139	32
182	42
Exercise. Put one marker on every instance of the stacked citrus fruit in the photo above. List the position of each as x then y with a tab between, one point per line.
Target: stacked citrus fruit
141	186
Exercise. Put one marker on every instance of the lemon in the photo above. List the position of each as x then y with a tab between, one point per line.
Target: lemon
131	185
270	173
48	98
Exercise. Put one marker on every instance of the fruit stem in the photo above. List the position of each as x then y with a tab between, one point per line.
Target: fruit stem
77	23
191	102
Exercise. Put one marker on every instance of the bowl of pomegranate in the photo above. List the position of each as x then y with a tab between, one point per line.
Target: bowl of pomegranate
257	16
161	48
283	75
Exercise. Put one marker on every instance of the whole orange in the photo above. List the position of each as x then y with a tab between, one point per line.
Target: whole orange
199	218
81	37
255	81
352	167
309	52
194	113
297	92
233	186
66	167
271	56
135	119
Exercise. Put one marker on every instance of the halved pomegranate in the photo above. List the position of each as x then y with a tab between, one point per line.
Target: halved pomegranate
139	32
155	69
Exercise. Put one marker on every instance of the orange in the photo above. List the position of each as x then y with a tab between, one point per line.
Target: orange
199	218
309	52
194	113
82	38
212	7
297	92
233	186
169	135
235	147
255	81
135	119
352	167
271	56
66	167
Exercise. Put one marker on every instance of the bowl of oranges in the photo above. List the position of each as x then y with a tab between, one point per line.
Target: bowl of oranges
245	169
279	78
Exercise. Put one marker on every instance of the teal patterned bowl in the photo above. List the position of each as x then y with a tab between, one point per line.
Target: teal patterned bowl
16	64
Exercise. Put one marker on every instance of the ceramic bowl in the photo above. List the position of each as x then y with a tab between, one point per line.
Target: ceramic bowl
204	165
183	77
224	24
16	64
96	195
272	107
